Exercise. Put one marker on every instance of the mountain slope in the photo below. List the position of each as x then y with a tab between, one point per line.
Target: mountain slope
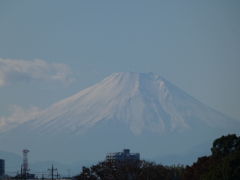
139	109
141	101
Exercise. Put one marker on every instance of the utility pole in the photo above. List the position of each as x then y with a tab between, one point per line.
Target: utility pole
21	172
57	175
68	173
52	170
26	173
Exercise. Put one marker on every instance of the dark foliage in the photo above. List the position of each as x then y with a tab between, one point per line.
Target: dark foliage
223	146
228	168
197	169
223	164
130	170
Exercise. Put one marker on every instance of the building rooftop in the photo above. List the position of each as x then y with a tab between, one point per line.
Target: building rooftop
124	155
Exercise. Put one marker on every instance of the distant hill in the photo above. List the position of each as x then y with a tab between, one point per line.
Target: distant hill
186	158
12	162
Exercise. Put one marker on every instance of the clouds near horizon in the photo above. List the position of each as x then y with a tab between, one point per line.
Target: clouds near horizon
13	71
18	116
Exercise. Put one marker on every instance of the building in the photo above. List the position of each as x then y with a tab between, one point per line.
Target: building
2	167
122	156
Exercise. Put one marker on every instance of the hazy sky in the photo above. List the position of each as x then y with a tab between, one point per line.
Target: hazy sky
50	50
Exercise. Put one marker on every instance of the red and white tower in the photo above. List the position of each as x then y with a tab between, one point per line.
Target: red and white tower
25	160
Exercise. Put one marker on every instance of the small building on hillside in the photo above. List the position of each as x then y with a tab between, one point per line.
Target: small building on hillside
122	156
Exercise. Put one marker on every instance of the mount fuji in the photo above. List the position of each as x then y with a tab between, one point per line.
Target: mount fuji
140	111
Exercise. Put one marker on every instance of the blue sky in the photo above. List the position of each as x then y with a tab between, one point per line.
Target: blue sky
50	50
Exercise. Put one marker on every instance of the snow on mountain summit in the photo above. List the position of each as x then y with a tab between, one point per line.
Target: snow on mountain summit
141	101
141	110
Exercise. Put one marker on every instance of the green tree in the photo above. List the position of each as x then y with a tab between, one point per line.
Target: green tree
223	164
197	169
86	174
228	168
176	171
129	170
225	145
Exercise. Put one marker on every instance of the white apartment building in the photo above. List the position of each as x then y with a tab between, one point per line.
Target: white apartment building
121	156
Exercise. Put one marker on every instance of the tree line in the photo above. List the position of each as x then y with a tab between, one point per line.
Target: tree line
130	170
222	164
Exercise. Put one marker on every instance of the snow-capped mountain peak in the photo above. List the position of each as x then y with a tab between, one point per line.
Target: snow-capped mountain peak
142	110
142	101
